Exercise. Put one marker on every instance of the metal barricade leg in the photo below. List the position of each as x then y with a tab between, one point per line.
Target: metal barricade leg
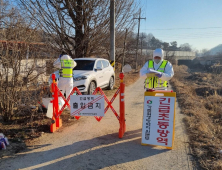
122	128
56	121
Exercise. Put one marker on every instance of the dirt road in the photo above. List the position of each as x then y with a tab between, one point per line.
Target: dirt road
89	144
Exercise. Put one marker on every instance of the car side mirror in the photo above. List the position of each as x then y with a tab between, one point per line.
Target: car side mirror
99	68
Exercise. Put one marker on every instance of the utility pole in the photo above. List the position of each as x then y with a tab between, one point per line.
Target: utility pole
138	38
142	37
112	33
124	48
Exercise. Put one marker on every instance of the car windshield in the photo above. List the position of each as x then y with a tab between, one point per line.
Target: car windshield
84	64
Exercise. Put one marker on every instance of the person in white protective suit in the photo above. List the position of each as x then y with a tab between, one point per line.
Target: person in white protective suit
157	71
66	64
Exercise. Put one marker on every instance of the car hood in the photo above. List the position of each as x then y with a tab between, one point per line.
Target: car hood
78	73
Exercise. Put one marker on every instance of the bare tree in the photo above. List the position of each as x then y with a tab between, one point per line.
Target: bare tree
80	27
205	52
185	47
22	67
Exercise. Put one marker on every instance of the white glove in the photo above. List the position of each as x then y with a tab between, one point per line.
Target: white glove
148	70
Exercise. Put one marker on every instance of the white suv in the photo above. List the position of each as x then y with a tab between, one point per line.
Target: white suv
91	73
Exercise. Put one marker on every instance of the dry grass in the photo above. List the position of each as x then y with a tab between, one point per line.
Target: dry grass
200	98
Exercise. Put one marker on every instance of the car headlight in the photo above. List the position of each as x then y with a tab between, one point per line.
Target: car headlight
80	78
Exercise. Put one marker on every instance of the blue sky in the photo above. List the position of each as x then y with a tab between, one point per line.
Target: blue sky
197	22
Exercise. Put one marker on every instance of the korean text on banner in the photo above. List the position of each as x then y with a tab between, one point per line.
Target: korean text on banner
158	121
87	105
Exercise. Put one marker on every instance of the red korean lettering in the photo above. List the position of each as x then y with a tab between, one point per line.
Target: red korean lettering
163	133
165	99
162	140
163	125
164	116
164	109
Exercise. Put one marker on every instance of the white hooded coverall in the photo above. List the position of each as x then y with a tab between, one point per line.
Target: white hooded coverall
168	72
65	85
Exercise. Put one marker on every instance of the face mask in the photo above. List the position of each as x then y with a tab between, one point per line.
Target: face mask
156	60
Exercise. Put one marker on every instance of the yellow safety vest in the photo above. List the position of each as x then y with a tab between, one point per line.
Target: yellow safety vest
153	82
66	66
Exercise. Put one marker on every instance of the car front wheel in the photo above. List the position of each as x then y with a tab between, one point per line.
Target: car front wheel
111	83
92	87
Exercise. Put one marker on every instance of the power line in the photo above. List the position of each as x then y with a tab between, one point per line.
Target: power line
186	35
183	28
193	33
190	37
